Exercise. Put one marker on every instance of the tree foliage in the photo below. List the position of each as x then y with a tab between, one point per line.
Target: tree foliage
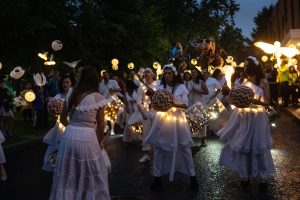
98	30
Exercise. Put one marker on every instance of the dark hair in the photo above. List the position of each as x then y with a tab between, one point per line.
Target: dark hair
216	73
130	86
176	80
60	87
199	76
251	69
88	83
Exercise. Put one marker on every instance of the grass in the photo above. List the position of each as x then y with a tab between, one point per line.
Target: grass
24	131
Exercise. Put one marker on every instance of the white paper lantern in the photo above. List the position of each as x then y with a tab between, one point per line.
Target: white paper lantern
39	79
29	96
114	61
229	59
156	65
194	62
17	72
264	58
57	45
115	67
130	65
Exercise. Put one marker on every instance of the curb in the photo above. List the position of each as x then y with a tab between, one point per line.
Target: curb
292	113
12	148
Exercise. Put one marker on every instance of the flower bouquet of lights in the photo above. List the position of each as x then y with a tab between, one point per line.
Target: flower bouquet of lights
197	117
113	108
214	108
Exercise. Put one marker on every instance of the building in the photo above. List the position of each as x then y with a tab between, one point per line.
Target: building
284	25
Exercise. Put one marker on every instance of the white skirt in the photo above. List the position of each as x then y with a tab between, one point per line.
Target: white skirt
80	171
52	138
2	156
248	145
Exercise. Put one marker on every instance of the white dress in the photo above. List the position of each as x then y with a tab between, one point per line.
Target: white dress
80	171
2	156
145	102
171	138
52	138
248	141
131	115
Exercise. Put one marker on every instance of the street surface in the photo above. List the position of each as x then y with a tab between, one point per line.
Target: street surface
131	179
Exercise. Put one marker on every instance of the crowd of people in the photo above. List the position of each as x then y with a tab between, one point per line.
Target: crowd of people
77	140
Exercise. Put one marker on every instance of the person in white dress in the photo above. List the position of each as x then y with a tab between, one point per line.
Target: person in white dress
197	88
109	88
3	175
170	134
53	136
132	111
80	171
143	103
247	134
213	86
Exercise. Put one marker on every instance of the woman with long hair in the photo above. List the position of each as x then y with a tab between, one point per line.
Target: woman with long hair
247	133
170	134
80	171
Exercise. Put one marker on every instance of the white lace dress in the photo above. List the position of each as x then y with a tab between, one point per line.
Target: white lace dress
248	140
52	138
171	138
2	156
80	171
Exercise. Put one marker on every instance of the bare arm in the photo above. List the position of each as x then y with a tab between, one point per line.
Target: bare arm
100	126
64	115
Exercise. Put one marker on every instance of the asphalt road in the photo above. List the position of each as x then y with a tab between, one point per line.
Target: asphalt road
131	180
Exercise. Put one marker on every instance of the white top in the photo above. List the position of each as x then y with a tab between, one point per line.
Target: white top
105	87
142	98
194	95
212	85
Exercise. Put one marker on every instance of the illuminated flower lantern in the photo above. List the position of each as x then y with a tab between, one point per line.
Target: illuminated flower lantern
194	62
39	79
17	72
57	45
162	100
43	56
130	65
29	96
264	58
242	96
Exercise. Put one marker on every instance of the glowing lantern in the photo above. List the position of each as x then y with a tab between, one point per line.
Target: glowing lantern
39	79
114	62
29	96
199	68
264	58
229	59
115	67
156	65
194	62
57	45
43	56
102	72
233	64
17	72
242	64
130	65
50	62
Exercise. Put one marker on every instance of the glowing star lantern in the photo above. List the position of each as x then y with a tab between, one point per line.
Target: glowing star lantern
114	62
156	65
264	58
29	96
43	56
50	63
194	62
130	65
57	45
277	50
17	72
199	68
72	64
39	79
229	59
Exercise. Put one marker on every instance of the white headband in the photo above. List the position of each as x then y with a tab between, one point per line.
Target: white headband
170	66
256	62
